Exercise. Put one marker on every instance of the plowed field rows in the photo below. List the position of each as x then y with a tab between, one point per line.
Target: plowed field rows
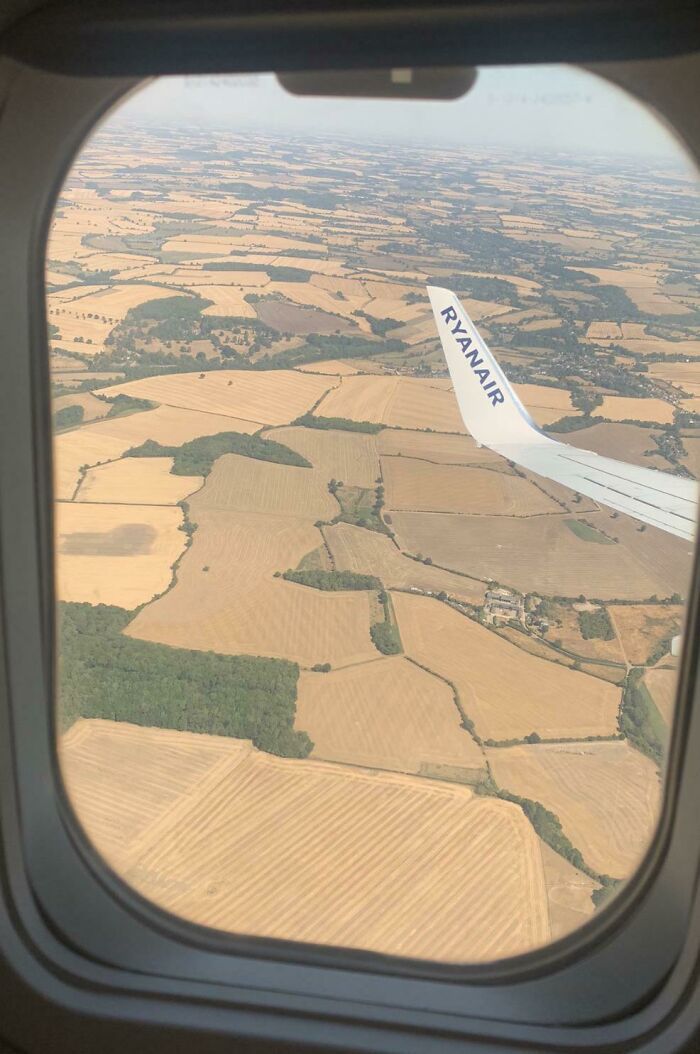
347	456
273	398
309	851
387	714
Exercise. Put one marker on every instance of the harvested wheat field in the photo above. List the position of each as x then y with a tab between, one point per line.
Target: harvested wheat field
347	456
114	301
568	893
272	398
226	300
93	408
227	600
386	714
606	795
106	440
136	481
541	397
244	484
662	685
620	408
424	404
642	628
371	553
403	402
539	554
439	449
115	554
418	486
309	851
359	398
505	691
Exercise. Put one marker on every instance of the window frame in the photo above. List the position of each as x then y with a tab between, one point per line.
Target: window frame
88	939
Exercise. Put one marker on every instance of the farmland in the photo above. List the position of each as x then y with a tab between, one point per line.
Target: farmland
318	872
605	794
259	460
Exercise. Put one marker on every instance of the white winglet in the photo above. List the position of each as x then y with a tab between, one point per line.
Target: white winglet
496	418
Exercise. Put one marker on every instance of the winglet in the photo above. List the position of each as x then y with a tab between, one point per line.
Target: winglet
490	408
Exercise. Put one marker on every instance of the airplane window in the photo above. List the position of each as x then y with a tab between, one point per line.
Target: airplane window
376	438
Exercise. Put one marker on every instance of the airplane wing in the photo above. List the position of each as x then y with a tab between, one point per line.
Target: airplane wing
496	418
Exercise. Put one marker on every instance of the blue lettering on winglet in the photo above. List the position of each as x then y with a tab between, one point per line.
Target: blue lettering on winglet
471	354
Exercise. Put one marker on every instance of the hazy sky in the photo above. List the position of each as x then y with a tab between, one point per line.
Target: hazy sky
546	108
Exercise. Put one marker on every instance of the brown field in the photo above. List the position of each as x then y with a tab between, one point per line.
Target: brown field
607	796
109	439
370	553
65	363
386	714
421	487
137	481
620	408
440	449
624	442
642	627
692	461
568	893
93	408
237	607
232	838
216	244
539	554
360	399
297	318
347	456
273	398
115	554
662	685
505	691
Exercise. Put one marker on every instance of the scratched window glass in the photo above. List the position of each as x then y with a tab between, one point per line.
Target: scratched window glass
376	445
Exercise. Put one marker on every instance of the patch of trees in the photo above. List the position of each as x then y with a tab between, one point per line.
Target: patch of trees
480	287
595	625
379	326
196	457
636	719
105	674
385	635
169	307
343	424
68	417
277	272
333	581
573	424
127	404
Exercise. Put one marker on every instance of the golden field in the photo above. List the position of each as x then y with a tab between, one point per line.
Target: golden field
507	693
386	714
241	841
607	796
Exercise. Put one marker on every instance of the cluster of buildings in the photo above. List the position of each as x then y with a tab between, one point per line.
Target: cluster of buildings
501	603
